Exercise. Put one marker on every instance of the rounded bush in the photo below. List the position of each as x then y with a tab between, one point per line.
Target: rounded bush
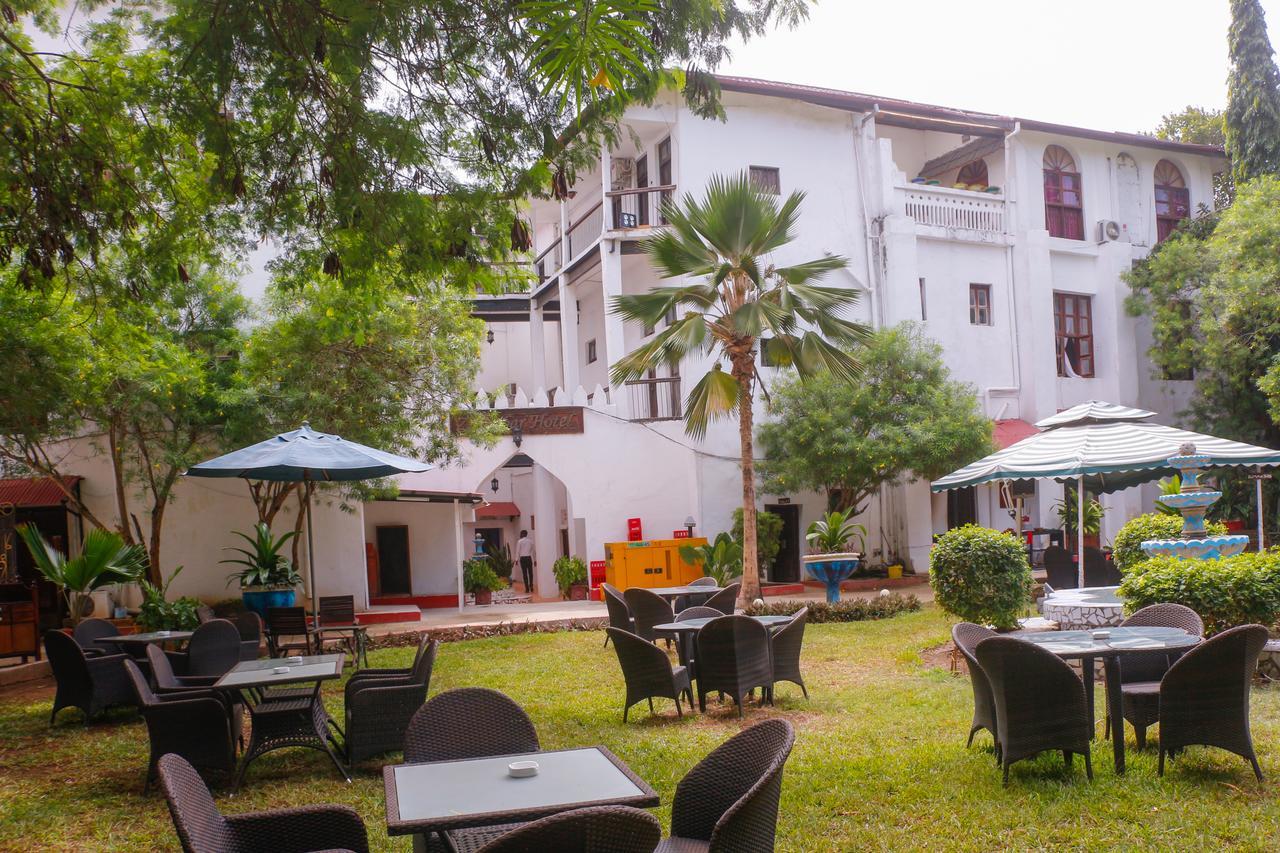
981	575
1239	590
1126	547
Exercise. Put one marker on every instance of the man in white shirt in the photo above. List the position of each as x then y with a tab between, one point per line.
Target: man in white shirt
524	551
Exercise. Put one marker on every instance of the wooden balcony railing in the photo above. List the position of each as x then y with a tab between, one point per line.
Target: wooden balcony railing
637	208
655	399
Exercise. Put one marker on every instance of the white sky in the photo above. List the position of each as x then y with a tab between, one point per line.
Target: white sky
1103	64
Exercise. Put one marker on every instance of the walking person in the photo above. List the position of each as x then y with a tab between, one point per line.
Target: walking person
524	550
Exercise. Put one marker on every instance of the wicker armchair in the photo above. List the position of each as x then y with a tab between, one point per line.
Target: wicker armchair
733	657
1059	569
726	600
619	612
1140	674
214	649
201	829
249	624
166	683
287	629
599	829
966	636
91	684
193	724
647	609
89	631
705	581
729	800
1098	570
784	650
425	645
694	599
1039	702
379	708
698	611
1204	698
648	672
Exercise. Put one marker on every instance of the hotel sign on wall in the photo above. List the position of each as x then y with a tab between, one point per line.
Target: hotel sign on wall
554	420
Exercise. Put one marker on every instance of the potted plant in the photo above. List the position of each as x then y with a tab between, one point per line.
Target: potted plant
720	559
157	613
571	577
268	578
479	579
829	559
1068	513
105	559
501	561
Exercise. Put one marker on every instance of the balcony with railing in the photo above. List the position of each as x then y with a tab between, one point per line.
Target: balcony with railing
655	399
968	212
584	232
637	208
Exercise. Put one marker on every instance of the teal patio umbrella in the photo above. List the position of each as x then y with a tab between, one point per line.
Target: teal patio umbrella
308	457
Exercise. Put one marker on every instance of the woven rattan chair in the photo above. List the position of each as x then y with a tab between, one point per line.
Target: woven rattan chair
201	829
425	645
1059	569
165	683
249	624
599	829
966	636
287	629
784	651
729	800
379	708
733	658
90	684
705	581
648	672
694	599
1140	674
1204	698
698	611
214	649
89	631
647	609
726	600
1098	570
1039	702
619	612
193	724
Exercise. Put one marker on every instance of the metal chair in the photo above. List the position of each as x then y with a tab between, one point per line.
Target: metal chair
619	612
1204	698
249	624
89	631
784	651
599	829
338	610
733	658
202	829
1060	568
726	600
729	800
966	636
284	623
1140	674
379	708
91	684
648	672
647	610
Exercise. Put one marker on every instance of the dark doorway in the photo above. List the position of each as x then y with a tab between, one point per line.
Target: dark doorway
962	508
492	537
786	566
393	560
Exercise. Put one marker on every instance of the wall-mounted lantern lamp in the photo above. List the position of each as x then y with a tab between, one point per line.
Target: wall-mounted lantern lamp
488	336
517	434
493	484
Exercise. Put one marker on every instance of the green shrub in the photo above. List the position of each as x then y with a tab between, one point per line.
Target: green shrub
768	535
1239	590
478	575
569	571
981	575
849	610
1126	547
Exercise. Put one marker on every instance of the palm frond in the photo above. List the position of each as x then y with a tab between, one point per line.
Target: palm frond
812	270
823	298
779	232
669	346
715	396
813	354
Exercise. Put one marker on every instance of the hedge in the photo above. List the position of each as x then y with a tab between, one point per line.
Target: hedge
981	575
849	610
1239	590
1126	547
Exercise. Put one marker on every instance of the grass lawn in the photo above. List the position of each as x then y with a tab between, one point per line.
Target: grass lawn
879	761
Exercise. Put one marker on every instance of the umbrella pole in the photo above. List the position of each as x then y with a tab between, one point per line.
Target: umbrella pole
311	558
1080	532
1258	484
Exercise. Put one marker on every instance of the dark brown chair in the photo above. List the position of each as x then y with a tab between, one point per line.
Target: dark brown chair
1059	568
705	581
201	828
647	609
1140	674
1039	702
729	800
337	610
379	708
249	624
784	651
287	629
726	600
1098	570
89	631
733	658
204	613
694	599
166	683
599	829
698	611
213	650
966	636
193	724
91	684
425	645
1204	698
619	612
648	672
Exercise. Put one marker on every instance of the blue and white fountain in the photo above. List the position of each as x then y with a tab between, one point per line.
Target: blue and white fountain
1193	502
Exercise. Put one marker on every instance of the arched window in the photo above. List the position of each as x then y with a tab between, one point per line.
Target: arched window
1173	201
1063	204
973	174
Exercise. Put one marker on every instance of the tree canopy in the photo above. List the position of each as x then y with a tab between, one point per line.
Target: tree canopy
1253	95
904	418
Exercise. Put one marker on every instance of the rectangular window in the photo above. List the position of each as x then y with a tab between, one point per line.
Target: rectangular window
980	304
924	314
591	351
1073	328
767	179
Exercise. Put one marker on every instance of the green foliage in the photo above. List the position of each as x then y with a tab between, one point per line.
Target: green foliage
104	559
905	418
1253	95
1068	511
720	559
768	535
1201	126
264	565
1169	486
569	571
157	613
478	576
833	533
1126	548
981	575
502	562
1239	590
845	610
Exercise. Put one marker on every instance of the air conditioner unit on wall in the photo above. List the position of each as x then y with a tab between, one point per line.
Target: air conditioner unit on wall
621	171
1109	231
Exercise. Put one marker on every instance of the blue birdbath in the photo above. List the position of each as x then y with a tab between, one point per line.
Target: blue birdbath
831	569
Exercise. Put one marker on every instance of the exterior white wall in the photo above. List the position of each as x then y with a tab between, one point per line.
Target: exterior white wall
433	550
510	357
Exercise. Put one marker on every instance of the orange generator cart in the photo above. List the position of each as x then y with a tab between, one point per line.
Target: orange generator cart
650	563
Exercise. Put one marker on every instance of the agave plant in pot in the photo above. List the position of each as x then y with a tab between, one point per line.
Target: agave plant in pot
268	579
830	559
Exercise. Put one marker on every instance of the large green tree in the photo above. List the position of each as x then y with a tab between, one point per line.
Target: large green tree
904	418
1253	95
723	243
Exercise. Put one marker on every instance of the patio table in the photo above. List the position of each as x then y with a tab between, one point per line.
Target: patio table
439	796
136	644
671	593
294	718
1086	647
686	631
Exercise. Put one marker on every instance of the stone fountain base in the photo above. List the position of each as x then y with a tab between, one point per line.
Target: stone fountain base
1083	609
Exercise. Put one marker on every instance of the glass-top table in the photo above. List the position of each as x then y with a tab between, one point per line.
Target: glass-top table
147	638
671	593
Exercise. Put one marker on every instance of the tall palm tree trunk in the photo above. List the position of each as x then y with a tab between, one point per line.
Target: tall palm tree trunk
750	590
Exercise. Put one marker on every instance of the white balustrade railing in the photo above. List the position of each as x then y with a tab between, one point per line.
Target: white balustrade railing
955	209
515	397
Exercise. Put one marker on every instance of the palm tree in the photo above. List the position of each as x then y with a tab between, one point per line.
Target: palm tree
725	240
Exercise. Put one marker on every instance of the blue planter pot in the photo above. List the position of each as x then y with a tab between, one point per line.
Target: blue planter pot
831	569
258	600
